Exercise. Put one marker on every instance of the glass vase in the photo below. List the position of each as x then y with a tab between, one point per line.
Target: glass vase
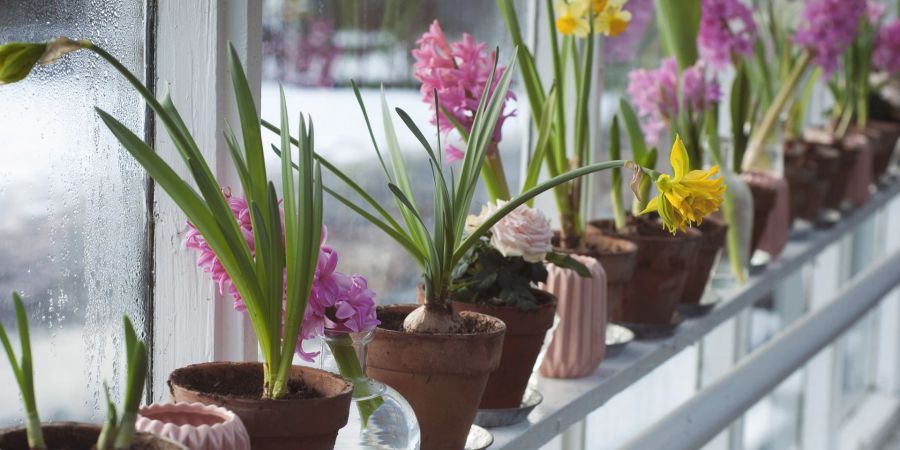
737	211
380	418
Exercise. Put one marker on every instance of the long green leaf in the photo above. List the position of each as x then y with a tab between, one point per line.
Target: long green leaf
542	146
633	129
522	198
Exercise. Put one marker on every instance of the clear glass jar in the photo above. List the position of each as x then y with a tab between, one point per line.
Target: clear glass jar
737	211
380	417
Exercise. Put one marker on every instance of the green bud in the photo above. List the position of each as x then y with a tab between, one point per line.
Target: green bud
17	59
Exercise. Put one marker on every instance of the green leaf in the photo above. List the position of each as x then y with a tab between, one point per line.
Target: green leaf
633	129
567	262
542	146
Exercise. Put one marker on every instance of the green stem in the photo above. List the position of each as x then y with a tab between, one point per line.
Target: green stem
761	133
125	430
733	241
35	432
494	176
349	366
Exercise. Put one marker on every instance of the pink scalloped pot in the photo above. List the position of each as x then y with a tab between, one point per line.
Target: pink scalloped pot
197	426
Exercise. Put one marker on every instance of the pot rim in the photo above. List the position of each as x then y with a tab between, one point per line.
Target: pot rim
229	416
244	401
88	426
441	336
546	305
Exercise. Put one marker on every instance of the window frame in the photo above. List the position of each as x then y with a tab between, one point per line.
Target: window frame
191	321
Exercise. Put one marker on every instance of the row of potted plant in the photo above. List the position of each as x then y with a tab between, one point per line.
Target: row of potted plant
492	283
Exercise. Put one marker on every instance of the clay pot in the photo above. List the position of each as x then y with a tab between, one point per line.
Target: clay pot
800	172
443	376
777	229
663	264
763	203
859	178
310	422
197	426
827	160
78	436
578	343
712	239
887	134
618	257
525	332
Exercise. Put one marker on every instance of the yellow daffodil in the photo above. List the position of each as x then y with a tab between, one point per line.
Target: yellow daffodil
571	18
612	20
689	195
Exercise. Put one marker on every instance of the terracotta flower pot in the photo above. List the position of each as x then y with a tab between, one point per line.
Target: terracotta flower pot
887	134
776	225
859	178
664	262
712	239
443	376
800	171
827	161
525	332
197	426
78	436
579	340
763	203
618	257
310	418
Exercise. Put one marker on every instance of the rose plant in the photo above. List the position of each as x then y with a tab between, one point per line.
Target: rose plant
507	263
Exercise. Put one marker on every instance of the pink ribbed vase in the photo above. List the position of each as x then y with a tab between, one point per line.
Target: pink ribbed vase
579	340
197	426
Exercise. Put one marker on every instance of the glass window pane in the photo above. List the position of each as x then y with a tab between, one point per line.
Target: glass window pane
314	48
72	233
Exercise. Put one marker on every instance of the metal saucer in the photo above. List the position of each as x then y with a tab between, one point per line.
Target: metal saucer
828	218
646	331
617	337
709	300
492	418
759	261
478	438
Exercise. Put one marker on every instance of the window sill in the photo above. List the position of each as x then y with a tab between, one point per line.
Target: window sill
567	402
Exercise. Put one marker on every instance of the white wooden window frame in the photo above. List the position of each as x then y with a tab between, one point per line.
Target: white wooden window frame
192	321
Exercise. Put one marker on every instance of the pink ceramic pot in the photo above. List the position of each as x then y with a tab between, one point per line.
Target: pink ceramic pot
579	341
197	426
778	226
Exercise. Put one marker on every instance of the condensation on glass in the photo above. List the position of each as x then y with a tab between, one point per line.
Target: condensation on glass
314	48
72	228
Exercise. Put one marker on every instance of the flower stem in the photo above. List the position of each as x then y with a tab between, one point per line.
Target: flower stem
733	242
349	366
761	133
494	176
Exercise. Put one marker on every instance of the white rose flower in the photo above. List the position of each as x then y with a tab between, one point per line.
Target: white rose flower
523	232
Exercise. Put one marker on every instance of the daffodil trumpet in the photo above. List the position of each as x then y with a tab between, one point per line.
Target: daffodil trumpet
687	196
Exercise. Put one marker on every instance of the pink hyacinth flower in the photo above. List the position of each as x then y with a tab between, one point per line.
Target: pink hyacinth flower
887	48
459	72
654	94
727	30
353	302
827	28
